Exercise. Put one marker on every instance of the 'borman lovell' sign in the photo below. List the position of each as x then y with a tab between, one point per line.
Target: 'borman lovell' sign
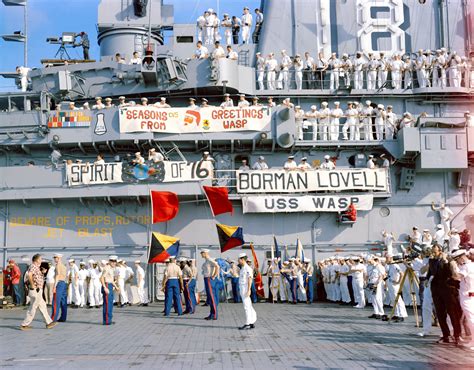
305	203
184	120
281	181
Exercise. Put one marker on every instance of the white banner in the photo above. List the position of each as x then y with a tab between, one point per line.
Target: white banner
305	203
184	171
282	181
93	174
184	120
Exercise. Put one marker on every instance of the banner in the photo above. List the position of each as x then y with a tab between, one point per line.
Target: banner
166	171
306	203
93	174
282	181
184	120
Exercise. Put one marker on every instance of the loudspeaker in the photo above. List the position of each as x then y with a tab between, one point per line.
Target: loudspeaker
407	179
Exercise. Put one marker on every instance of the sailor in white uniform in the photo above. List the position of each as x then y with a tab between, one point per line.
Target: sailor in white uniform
228	102
246	20
304	165
357	270
200	25
312	118
376	277
260	164
324	117
140	276
327	164
290	164
367	112
283	76
271	65
445	213
299	117
395	276
372	65
336	114
245	288
82	276
358	64
95	298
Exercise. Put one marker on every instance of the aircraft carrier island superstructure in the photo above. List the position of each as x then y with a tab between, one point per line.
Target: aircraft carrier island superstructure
53	197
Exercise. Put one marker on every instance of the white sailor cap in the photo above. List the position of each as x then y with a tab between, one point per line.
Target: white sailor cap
71	260
144	99
426	230
306	260
86	104
103	262
91	262
205	250
380	106
113	258
345	55
415	227
121	97
382	155
137	261
71	102
255	98
454	230
368	102
327	156
458	253
242	95
210	10
192	99
163	98
337	103
297	107
206	153
204	100
406	114
59	255
313	107
283	51
324	103
108	99
438	51
389	107
261	157
227	95
120	261
98	98
258	53
172	258
167	260
356	103
138	153
291	157
82	263
242	255
371	156
304	159
439	226
291	259
246	8
225	14
152	150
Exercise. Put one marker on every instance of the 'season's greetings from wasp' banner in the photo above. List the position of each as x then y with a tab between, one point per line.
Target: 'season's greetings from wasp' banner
184	120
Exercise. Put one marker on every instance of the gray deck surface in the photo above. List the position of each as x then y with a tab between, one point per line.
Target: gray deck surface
287	336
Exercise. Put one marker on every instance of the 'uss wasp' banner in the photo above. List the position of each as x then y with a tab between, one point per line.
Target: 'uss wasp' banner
93	174
282	181
306	203
184	120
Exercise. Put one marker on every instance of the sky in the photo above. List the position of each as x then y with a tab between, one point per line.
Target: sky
49	18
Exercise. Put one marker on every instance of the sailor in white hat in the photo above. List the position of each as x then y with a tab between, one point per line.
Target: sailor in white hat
201	26
380	121
260	164
138	160
426	238
394	277
312	121
192	104
245	288
440	235
336	114
95	298
98	103
346	70
82	284
255	102
140	277
144	101
445	213
358	270
107	280
271	65
210	272
298	67
243	103
324	119
73	288
290	164
366	113
283	76
299	121
226	24
454	239
155	156
327	164
371	162
465	270
382	70
247	21
304	165
228	102
210	18
372	66
260	67
204	103
334	68
352	123
162	103
122	103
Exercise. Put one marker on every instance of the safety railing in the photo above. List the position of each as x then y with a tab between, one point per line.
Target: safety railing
337	80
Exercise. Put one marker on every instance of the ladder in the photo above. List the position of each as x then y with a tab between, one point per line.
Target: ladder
166	153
